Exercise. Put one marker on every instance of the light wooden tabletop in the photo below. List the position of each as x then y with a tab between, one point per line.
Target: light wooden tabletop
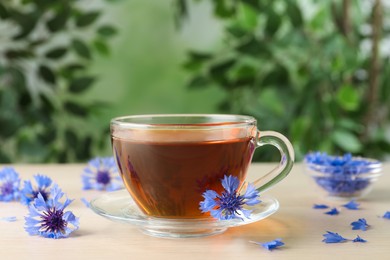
298	225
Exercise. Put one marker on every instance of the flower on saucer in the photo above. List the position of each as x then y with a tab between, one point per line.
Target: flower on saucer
229	204
101	174
47	217
9	184
29	193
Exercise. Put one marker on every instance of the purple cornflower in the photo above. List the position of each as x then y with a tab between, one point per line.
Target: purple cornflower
9	184
101	174
331	237
47	217
229	204
29	192
360	224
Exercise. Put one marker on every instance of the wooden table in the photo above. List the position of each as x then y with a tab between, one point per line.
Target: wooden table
296	223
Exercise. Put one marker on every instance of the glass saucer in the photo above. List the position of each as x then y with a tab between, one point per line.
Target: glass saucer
119	206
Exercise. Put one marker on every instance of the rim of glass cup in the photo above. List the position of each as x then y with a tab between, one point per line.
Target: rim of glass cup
374	166
182	121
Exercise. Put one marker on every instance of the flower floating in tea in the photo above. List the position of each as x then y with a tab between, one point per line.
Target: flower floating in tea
271	244
359	239
331	237
343	176
353	205
360	224
101	174
229	204
29	193
9	184
47	217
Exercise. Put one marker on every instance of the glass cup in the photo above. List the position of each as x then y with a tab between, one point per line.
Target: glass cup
168	161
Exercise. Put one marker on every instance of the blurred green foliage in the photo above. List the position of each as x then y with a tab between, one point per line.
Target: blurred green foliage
317	71
46	49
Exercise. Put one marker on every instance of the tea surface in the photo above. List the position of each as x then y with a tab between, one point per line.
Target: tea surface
167	179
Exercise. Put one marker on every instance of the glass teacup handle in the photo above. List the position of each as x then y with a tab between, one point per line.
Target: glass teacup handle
286	162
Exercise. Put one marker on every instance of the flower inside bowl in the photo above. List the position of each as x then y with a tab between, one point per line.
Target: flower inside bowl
343	176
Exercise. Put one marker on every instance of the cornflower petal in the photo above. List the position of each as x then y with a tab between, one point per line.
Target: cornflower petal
353	205
320	206
251	195
230	184
271	244
332	212
85	202
359	239
331	237
387	215
9	219
360	224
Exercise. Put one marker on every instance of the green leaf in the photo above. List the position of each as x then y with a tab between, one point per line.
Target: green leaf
346	140
273	22
27	22
278	76
58	22
47	74
4	14
294	14
348	98
81	48
101	47
199	82
81	84
87	19
71	138
219	70
75	109
19	54
56	53
107	31
247	17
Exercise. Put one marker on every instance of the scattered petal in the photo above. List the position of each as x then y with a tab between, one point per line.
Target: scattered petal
47	218
360	224
320	206
332	212
353	205
9	219
359	239
387	215
85	202
271	244
331	237
101	174
9	184
229	204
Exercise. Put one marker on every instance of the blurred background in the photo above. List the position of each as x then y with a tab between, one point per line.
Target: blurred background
316	71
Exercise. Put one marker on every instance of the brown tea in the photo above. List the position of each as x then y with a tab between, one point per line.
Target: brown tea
167	179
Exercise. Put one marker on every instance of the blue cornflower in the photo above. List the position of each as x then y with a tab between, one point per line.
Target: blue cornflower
47	217
332	212
271	244
360	224
353	205
331	237
359	239
9	184
387	215
229	204
29	193
101	174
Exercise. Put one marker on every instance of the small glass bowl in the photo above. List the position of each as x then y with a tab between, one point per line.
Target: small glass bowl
347	181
